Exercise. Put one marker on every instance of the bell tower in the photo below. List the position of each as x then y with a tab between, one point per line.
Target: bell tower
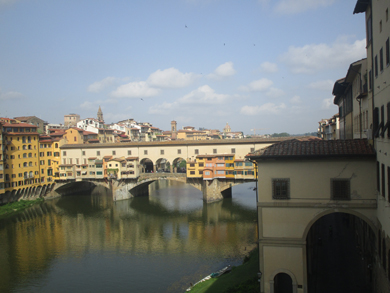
100	115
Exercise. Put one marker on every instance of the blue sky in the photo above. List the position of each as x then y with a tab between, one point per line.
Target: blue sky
256	64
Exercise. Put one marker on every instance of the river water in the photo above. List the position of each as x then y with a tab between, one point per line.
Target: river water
160	243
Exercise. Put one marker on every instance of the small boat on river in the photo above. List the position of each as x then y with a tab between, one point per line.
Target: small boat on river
221	272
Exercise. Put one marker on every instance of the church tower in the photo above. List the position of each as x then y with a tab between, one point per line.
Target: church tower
174	129
100	115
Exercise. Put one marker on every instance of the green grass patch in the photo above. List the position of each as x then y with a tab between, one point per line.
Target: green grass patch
16	206
241	279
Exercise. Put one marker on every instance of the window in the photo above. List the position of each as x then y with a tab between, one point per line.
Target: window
233	151
113	153
161	152
387	52
388	184
381	59
383	181
207	173
192	172
98	153
376	65
368	30
129	153
196	152
252	150
64	153
201	164
83	153
214	151
179	151
370	80
340	189
145	152
375	122
281	188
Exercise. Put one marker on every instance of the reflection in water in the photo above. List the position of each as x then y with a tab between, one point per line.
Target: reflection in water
159	243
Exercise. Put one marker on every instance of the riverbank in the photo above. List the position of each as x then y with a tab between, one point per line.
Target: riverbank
17	206
241	279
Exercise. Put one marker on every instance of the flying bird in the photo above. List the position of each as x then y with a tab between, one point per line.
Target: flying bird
141	99
186	26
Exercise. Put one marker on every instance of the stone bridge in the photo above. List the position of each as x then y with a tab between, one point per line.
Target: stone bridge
213	190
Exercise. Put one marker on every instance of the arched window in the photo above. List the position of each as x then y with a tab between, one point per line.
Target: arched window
30	164
25	164
25	155
56	145
30	155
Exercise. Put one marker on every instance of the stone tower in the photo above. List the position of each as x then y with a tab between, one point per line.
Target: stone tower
174	129
100	115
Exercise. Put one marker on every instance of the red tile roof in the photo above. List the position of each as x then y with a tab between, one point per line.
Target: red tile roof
315	148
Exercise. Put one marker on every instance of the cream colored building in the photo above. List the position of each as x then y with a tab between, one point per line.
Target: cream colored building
378	66
299	183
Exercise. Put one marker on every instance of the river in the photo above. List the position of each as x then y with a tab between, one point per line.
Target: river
160	243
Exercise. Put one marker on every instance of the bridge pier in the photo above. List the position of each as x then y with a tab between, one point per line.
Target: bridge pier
214	190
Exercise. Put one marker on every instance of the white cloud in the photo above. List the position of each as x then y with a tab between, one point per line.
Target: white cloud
88	105
204	95
260	85
135	90
275	93
10	95
269	67
171	78
327	103
98	86
323	85
163	108
268	108
223	70
298	6
296	100
315	57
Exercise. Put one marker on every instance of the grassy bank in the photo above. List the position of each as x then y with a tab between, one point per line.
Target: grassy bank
241	279
13	207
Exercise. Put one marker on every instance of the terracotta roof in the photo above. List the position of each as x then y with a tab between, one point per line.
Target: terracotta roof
88	132
107	157
315	148
19	125
131	158
92	158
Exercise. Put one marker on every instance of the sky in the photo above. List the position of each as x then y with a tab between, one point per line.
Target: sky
263	66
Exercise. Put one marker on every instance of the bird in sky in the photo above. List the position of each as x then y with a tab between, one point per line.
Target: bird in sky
186	26
141	99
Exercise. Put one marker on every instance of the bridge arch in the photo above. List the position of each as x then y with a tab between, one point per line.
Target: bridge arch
162	164
337	210
179	165
147	165
281	272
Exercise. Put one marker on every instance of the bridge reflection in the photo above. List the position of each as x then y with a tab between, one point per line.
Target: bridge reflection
32	239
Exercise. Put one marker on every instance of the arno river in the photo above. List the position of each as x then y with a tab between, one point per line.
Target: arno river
160	243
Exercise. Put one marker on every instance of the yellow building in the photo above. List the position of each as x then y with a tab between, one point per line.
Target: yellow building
21	156
49	159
